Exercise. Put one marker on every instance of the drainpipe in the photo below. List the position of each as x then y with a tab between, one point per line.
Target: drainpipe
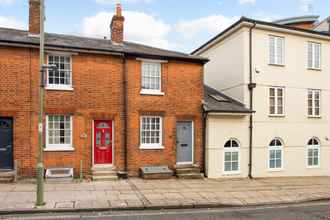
251	86
204	141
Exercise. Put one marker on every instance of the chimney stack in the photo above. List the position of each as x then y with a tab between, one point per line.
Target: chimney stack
34	17
117	26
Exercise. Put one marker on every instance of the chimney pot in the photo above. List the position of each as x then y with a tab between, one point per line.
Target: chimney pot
118	10
117	26
34	17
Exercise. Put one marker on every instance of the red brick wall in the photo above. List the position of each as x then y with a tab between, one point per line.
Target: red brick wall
98	94
15	99
182	84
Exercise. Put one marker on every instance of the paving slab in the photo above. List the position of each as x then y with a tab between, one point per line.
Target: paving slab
138	193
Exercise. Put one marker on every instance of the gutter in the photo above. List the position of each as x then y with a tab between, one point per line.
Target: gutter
251	86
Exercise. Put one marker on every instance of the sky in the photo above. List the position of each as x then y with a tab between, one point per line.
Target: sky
180	25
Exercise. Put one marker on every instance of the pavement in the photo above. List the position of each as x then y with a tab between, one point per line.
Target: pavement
138	194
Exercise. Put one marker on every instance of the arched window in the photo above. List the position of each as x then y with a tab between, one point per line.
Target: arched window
313	153
231	156
275	152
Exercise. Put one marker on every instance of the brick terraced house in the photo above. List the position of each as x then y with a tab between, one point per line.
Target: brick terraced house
111	104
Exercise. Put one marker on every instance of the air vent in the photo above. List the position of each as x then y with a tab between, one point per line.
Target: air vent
59	173
219	98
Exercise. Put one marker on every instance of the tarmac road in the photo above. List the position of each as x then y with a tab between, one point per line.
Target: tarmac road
307	211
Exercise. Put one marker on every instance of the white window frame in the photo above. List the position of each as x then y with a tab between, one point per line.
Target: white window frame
59	147
152	91
276	51
67	87
314	147
276	101
314	92
276	148
312	45
232	150
153	146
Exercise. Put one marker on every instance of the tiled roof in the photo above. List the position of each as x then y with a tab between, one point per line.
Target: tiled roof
215	101
97	45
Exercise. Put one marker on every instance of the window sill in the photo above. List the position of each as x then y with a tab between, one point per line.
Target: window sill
232	173
58	149
155	147
314	69
278	65
59	88
317	117
151	92
275	170
276	116
313	167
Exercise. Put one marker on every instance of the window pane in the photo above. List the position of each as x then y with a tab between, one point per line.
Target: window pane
278	154
235	156
227	156
272	154
235	166
227	166
278	163
272	164
310	161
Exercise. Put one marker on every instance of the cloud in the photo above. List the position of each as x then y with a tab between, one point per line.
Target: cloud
306	6
119	1
247	2
6	2
211	25
8	22
139	27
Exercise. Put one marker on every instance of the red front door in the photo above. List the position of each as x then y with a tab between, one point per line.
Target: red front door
103	142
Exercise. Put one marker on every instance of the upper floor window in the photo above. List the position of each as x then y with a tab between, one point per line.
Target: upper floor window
276	101
151	77
151	132
60	78
314	97
58	132
276	50
231	156
313	153
314	55
275	154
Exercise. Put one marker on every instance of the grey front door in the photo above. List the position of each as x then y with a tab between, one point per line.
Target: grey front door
184	142
6	143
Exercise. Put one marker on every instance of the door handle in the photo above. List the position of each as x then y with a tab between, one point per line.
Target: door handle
3	149
184	145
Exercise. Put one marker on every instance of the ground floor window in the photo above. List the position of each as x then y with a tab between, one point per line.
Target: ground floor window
275	154
151	132
58	132
231	156
313	153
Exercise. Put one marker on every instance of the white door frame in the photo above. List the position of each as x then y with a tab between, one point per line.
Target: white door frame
113	143
192	143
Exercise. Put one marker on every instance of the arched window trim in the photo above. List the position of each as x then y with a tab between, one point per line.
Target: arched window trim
277	147
232	150
313	147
